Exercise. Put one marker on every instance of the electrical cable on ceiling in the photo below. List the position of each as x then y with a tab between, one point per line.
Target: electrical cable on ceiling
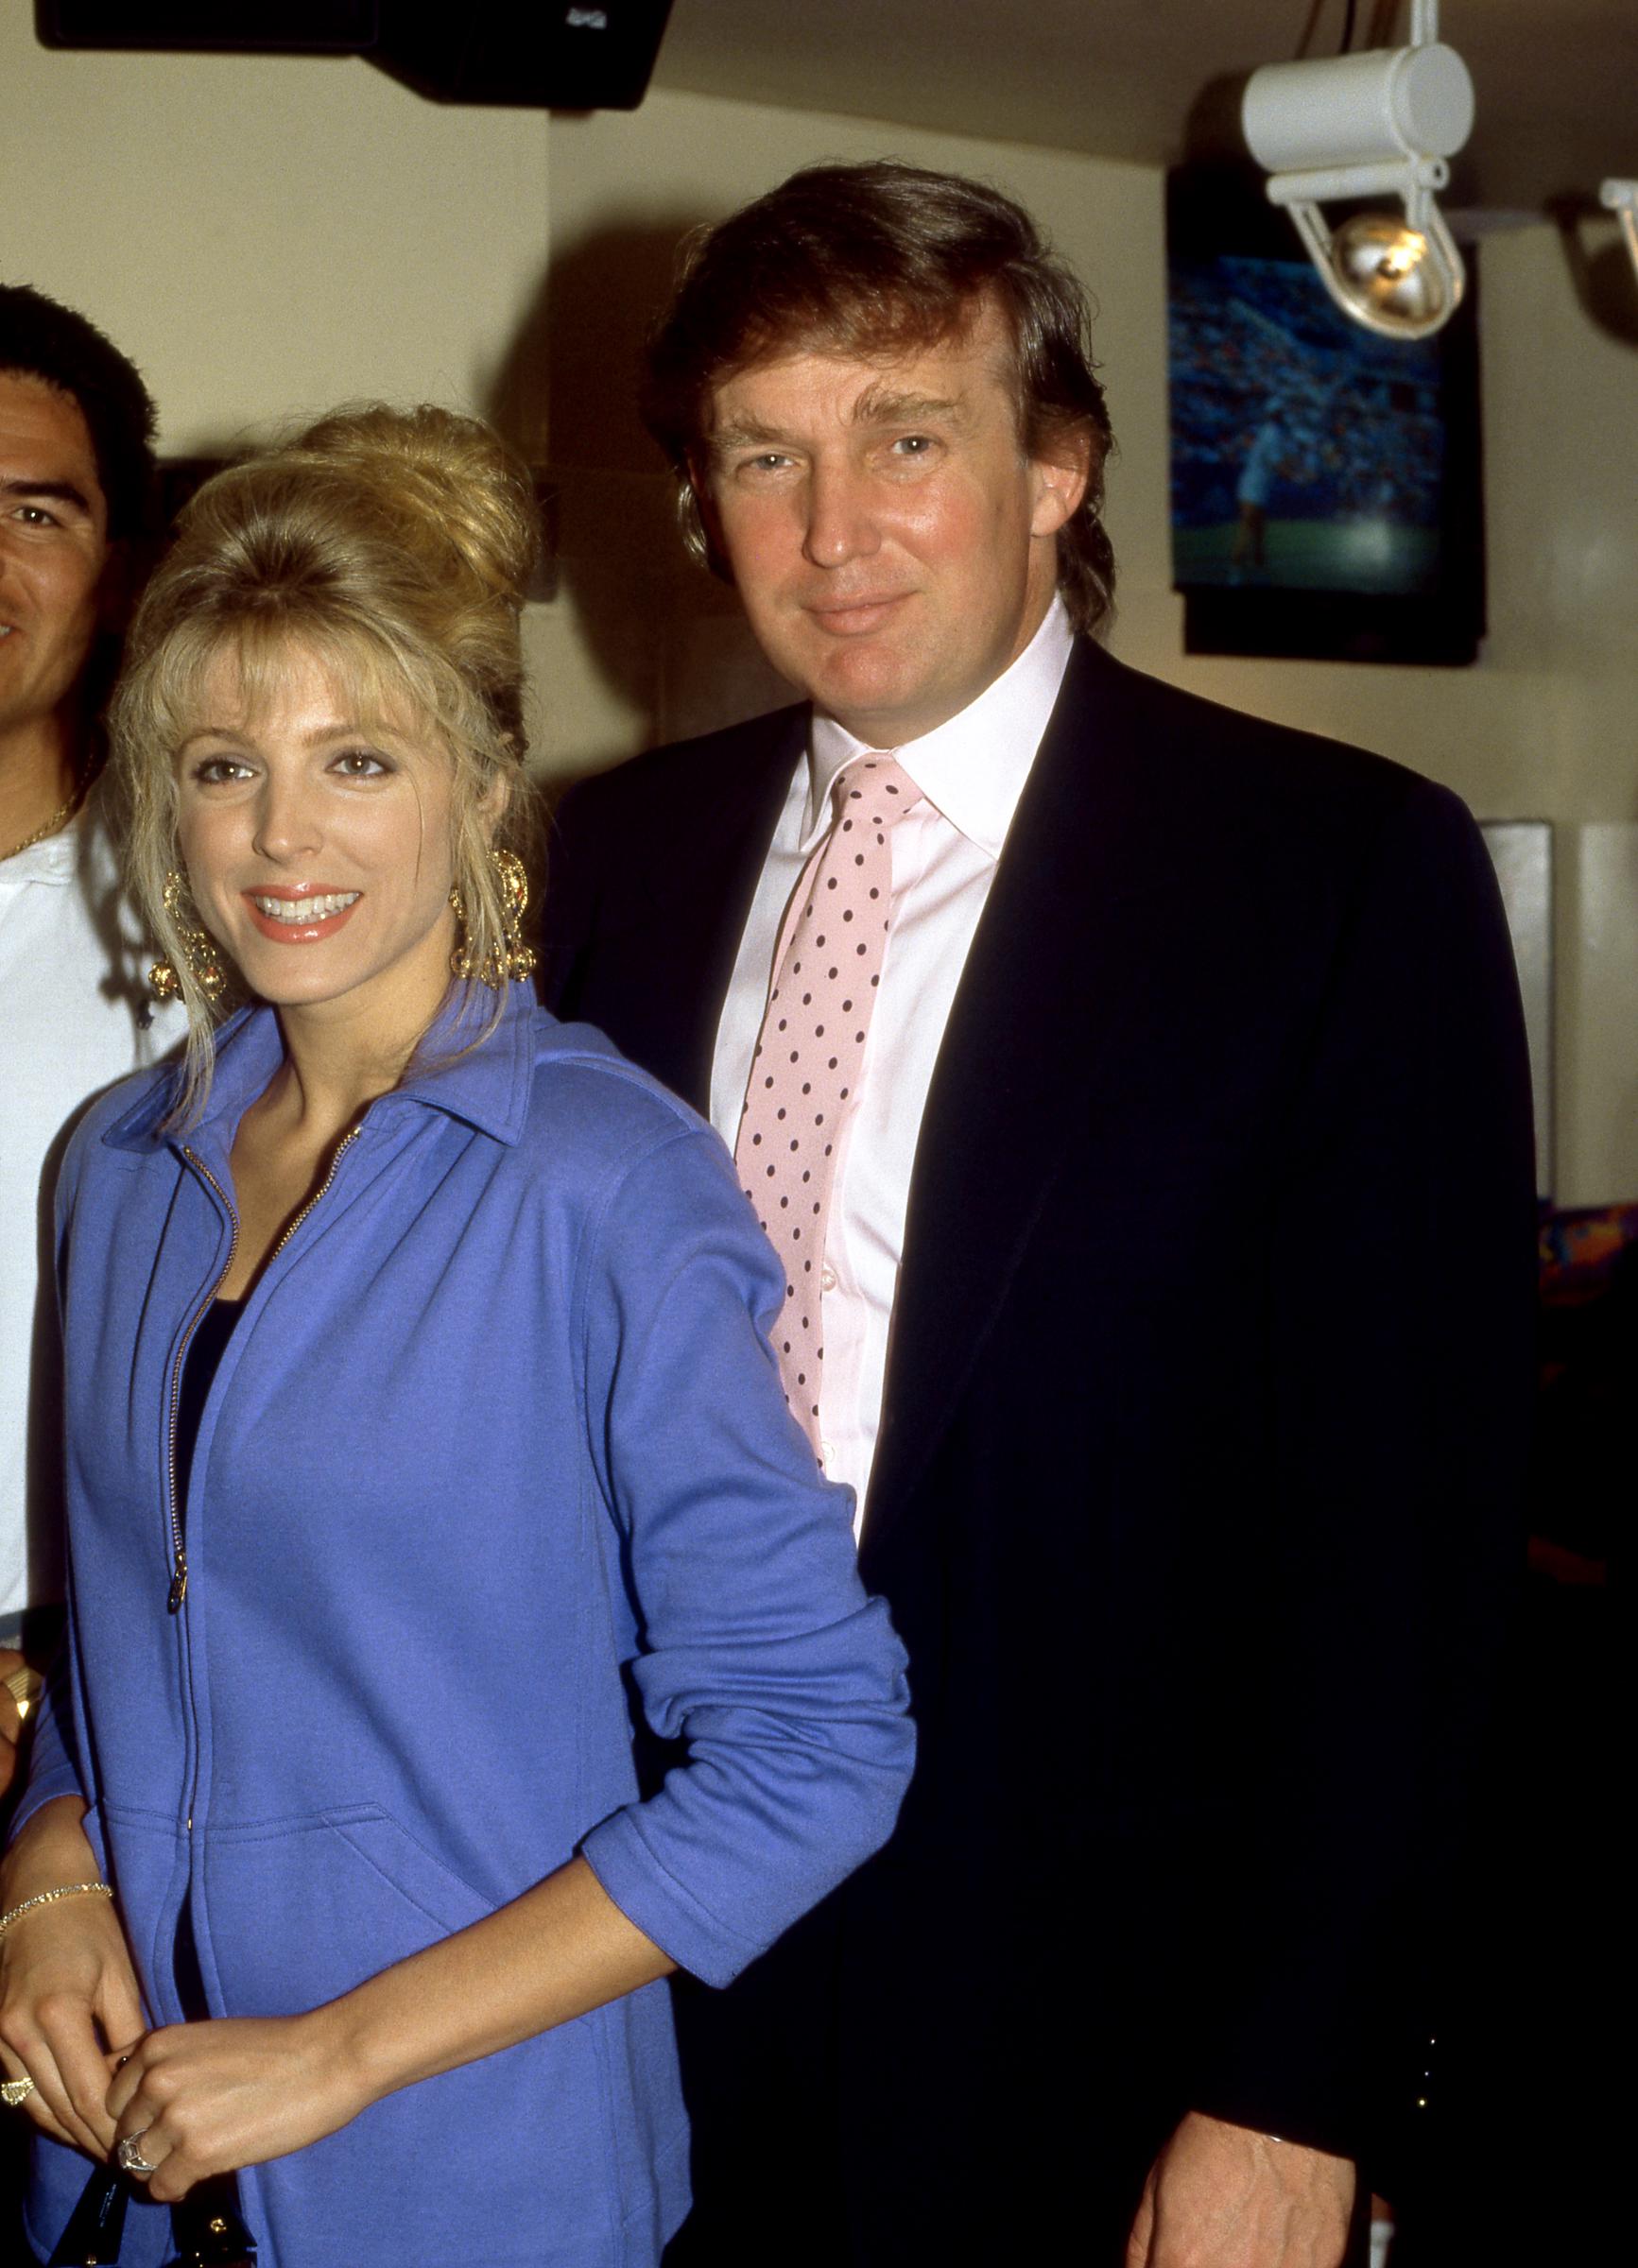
1311	26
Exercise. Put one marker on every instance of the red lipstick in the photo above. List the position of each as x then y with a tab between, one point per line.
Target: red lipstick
282	928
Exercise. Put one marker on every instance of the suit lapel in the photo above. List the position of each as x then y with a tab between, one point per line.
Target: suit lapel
1052	982
755	795
665	942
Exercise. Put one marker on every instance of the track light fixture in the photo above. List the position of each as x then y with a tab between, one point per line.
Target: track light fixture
1621	198
1381	124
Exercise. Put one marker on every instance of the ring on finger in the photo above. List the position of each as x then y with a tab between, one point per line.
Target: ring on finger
15	2092
130	2158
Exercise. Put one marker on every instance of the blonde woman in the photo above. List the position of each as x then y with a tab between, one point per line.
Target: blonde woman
421	1432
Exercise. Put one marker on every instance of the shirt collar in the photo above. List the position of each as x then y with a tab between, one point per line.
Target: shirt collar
57	859
973	768
484	1081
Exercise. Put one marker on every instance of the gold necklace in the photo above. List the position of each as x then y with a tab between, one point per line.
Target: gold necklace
59	818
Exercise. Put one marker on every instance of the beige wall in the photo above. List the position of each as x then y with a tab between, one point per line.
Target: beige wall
269	236
266	235
1545	726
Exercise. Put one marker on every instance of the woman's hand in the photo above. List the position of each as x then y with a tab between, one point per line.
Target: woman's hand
202	2098
68	1994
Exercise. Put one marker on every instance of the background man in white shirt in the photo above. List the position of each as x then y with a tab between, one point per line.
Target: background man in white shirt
76	498
1192	1089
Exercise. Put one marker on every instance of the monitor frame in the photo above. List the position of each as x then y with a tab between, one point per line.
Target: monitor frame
1220	211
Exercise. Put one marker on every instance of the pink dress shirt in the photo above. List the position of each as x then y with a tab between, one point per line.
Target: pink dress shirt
970	772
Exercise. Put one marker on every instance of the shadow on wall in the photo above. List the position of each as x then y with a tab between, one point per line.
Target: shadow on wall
1600	269
664	641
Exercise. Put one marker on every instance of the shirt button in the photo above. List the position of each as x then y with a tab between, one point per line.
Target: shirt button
827	1454
827	1280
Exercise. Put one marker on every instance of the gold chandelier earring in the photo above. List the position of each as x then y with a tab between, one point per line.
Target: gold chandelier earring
199	947
511	956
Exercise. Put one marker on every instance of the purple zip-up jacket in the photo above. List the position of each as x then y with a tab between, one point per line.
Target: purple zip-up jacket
496	1452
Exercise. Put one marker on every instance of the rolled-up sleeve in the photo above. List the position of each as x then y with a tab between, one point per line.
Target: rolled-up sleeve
51	1767
52	1770
757	1646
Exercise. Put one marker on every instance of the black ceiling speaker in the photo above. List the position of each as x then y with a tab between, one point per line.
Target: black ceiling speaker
565	54
211	27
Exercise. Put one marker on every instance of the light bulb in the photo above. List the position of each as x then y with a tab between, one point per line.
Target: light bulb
1384	267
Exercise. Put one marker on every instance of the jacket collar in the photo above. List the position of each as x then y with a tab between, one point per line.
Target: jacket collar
483	1081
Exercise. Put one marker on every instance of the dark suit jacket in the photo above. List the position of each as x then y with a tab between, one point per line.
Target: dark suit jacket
1195	1497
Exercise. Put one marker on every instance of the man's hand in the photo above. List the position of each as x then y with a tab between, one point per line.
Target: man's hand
10	1721
1221	2197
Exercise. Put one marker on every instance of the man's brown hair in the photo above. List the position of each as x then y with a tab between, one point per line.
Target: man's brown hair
880	260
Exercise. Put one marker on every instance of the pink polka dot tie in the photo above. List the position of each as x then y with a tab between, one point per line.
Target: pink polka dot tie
804	1077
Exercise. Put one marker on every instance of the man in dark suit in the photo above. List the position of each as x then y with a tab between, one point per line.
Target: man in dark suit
1168	1270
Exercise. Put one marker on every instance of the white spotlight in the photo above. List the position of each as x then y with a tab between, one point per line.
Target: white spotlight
1622	199
1381	124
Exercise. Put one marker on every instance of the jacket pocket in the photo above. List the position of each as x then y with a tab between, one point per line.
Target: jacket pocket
297	1911
406	1865
542	2155
510	2161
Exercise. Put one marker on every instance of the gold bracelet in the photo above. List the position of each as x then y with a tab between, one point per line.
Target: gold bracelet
49	1898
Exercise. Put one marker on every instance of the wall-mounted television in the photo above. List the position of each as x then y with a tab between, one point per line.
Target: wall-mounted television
1326	501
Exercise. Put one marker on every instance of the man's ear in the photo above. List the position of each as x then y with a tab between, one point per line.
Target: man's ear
710	522
1060	476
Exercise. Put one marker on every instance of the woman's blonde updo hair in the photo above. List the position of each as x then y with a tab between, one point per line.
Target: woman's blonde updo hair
393	547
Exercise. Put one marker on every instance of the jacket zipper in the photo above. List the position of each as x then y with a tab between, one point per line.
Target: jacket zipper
179	1589
321	1191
